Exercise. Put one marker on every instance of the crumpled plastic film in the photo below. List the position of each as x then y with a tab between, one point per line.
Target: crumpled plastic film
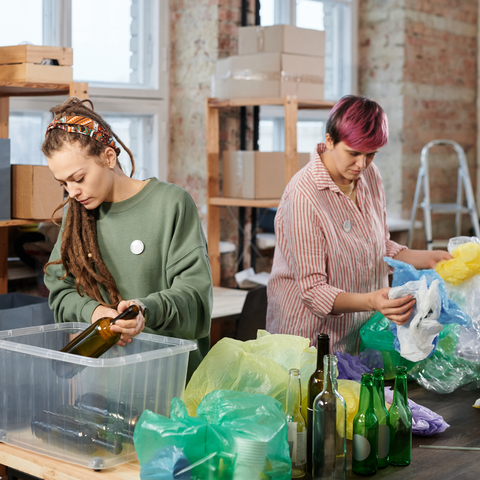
351	367
465	262
418	337
424	421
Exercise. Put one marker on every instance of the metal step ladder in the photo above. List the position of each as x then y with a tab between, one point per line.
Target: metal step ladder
457	208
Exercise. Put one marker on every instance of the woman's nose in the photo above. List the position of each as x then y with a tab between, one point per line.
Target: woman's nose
73	192
362	161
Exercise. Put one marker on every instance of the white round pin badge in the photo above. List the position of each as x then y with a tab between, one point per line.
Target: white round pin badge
137	247
347	226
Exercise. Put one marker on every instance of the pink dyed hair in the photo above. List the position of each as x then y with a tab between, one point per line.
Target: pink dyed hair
358	122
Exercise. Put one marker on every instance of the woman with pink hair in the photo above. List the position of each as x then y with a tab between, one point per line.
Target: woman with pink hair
328	271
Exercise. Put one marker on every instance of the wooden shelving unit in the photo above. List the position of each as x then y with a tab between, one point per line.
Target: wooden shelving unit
214	200
16	89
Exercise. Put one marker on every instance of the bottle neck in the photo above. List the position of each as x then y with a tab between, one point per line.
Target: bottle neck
379	386
400	393
366	396
322	350
294	393
330	373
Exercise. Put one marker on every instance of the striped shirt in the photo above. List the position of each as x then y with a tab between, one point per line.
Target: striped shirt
327	244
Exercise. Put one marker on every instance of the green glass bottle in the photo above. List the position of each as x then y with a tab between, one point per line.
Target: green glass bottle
329	452
108	428
365	431
315	386
100	405
382	415
400	422
297	427
67	432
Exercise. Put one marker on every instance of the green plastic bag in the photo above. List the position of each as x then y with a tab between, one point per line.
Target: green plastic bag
376	335
207	441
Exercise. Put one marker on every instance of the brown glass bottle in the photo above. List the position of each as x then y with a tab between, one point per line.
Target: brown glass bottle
315	386
95	340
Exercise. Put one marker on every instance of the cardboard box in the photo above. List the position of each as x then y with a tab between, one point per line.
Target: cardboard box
36	64
5	209
35	192
281	39
256	175
270	75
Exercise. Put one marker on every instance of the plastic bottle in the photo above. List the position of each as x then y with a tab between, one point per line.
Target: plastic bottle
365	431
315	386
382	415
67	432
329	453
297	428
400	422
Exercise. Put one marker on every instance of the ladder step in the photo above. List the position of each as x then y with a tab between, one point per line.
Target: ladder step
446	208
439	243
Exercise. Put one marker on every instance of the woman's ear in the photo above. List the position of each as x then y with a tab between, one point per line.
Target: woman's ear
329	142
110	157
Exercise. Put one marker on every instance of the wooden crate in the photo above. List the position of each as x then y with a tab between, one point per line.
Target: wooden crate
22	64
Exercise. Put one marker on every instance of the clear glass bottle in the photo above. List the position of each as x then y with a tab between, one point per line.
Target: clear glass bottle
400	422
365	431
297	427
315	386
329	455
382	415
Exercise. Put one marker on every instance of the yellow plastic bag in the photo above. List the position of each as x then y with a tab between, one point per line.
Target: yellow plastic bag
261	366
464	264
255	366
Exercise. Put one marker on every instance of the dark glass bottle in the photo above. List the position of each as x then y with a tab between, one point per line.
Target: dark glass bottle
108	428
400	422
365	431
382	415
315	386
67	432
329	453
99	405
95	340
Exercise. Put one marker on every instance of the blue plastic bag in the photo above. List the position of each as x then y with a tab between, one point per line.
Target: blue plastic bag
450	311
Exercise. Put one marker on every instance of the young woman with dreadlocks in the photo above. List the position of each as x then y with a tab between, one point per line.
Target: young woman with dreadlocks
123	240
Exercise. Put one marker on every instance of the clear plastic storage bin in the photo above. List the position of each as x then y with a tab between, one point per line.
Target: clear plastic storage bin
84	410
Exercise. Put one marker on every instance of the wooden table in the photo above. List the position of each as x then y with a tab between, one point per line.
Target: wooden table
456	408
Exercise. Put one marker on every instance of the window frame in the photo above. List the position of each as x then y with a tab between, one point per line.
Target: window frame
109	99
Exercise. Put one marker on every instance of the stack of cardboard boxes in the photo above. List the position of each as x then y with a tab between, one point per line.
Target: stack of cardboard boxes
272	62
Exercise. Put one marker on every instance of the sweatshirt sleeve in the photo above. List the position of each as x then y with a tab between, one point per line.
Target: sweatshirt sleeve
63	299
184	308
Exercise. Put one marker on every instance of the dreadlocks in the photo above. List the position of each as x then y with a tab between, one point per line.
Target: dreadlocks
80	254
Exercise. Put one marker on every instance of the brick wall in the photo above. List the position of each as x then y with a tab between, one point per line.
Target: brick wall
201	31
418	58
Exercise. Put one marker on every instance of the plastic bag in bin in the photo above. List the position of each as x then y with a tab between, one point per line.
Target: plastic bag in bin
210	443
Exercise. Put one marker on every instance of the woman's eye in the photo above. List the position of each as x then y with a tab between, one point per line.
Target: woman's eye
79	180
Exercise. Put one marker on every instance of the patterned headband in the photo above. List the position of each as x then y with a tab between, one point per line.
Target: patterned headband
85	126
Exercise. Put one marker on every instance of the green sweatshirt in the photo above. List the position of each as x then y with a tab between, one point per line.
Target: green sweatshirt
171	276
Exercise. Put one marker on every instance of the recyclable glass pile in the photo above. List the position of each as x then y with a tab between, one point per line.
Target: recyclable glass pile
440	344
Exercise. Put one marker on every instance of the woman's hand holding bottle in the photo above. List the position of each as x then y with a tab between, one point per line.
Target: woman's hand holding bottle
128	328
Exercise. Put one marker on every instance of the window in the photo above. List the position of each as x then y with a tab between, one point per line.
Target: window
120	49
338	19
